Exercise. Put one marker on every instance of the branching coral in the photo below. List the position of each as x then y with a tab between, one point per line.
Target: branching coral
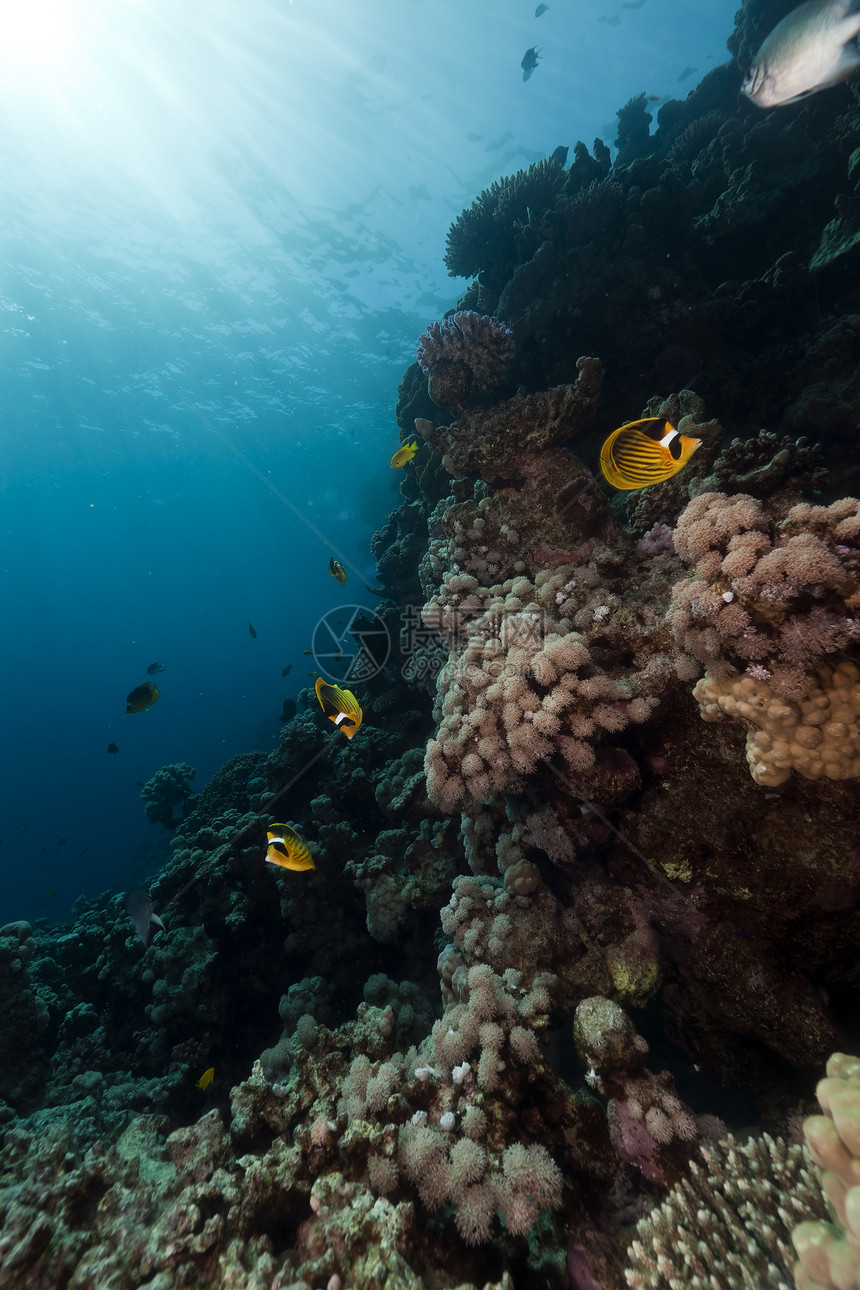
727	1226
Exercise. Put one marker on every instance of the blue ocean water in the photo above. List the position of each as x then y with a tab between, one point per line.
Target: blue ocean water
250	201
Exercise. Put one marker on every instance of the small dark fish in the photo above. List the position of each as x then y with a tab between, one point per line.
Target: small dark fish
287	670
307	651
542	8
531	58
251	630
154	668
688	71
632	4
142	697
559	156
311	673
61	842
44	849
138	783
288	711
139	906
51	891
112	748
614	21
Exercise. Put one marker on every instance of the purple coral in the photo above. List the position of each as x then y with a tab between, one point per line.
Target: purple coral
482	344
657	541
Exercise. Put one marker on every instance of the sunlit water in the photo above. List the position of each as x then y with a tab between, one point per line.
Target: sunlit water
250	200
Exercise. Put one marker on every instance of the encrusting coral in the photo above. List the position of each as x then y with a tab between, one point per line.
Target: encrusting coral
818	735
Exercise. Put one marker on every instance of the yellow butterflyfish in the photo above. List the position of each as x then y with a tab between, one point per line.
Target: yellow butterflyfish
142	697
206	1079
630	458
286	848
340	706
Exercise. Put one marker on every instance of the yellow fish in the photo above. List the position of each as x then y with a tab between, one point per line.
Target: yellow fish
340	706
206	1078
632	459
404	454
142	697
285	848
337	570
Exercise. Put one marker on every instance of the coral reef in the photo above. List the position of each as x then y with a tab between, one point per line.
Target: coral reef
776	598
168	789
729	1225
484	236
828	1244
24	1018
558	940
817	736
510	441
463	353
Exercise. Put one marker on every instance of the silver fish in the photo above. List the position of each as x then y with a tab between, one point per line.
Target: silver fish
139	906
811	49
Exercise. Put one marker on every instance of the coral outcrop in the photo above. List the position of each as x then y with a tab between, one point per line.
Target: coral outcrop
828	1244
464	352
168	789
